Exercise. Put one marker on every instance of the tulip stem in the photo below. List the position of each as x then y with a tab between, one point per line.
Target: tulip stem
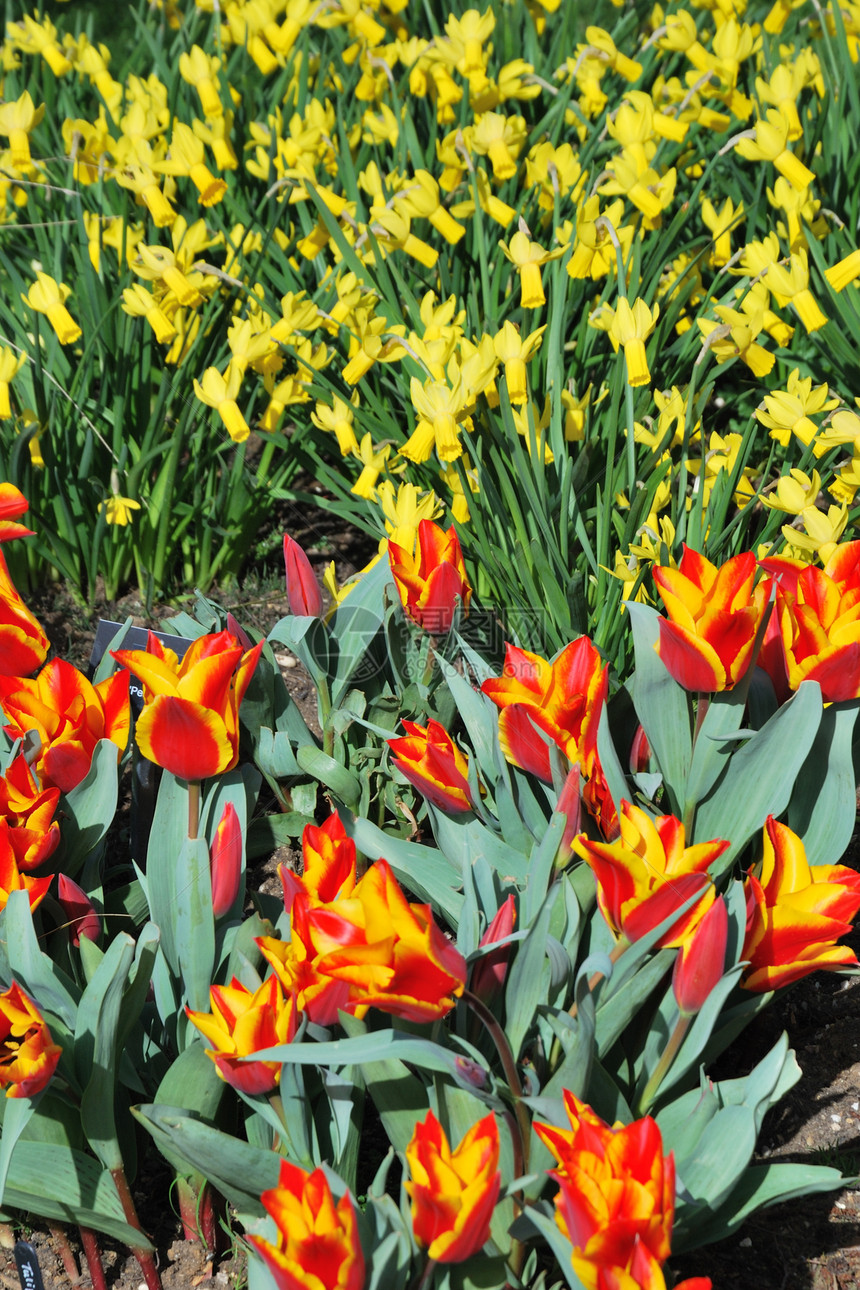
522	1137
93	1256
670	1052
144	1257
425	1276
69	1261
193	807
594	980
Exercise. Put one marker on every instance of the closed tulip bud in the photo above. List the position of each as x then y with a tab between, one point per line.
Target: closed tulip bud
488	974
701	960
303	590
225	857
79	910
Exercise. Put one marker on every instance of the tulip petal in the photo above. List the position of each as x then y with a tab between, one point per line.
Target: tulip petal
184	738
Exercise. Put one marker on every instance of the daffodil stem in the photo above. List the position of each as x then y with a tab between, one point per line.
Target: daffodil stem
144	1257
669	1054
521	1137
193	807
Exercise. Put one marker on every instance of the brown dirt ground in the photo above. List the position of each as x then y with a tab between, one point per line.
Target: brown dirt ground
808	1244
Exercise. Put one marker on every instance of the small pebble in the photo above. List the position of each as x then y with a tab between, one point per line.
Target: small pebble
745	1243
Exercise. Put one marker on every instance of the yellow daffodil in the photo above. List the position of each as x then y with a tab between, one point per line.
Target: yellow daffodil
219	392
48	296
339	419
10	363
200	69
514	352
791	283
794	492
17	119
38	36
187	157
500	138
846	271
140	303
373	462
629	329
527	256
821	531
789	412
118	510
768	143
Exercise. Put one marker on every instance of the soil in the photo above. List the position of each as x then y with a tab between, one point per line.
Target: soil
809	1244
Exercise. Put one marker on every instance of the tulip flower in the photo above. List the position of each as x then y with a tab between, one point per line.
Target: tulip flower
303	592
190	721
701	961
28	1054
816	624
428	757
616	1198
318	1247
328	872
453	1193
11	877
29	812
488	974
243	1022
713	617
430	585
561	700
12	500
648	873
370	949
225	859
795	913
23	643
70	716
81	916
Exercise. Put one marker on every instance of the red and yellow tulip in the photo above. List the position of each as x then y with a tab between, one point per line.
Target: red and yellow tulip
616	1199
562	700
190	721
430	581
817	632
454	1192
29	812
428	757
649	872
243	1022
371	949
28	1054
318	1246
701	961
11	877
12	504
70	716
328	865
713	617
795	913
23	643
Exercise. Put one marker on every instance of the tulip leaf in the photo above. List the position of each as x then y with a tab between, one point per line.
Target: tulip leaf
535	1218
96	1048
479	715
823	806
192	1083
424	870
343	784
239	1171
465	837
376	1046
527	978
37	974
194	925
760	1186
59	1182
610	763
759	778
617	1013
355	627
168	833
16	1114
723	1152
89	808
662	706
714	744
